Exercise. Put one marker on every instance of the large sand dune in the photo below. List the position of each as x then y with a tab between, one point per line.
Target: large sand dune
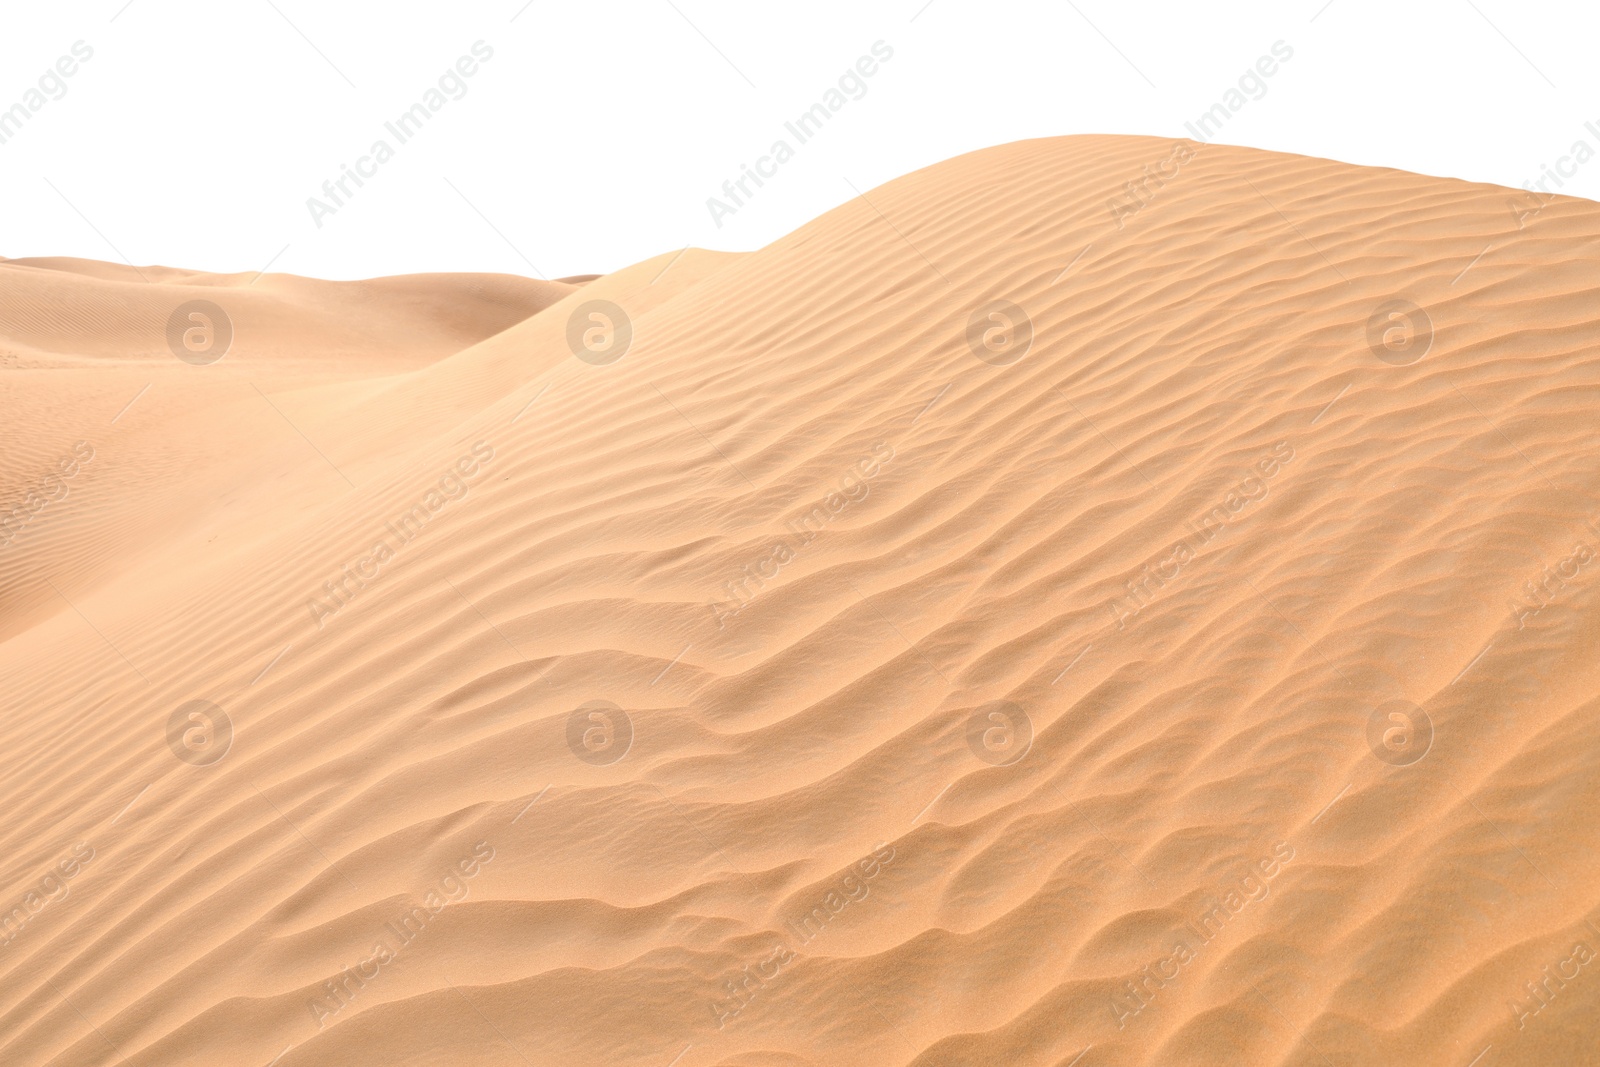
1015	619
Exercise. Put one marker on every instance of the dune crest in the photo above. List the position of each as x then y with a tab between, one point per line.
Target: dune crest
989	625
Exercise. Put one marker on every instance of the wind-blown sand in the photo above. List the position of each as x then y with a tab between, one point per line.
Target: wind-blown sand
958	710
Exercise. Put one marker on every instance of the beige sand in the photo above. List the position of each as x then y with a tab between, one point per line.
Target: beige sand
982	711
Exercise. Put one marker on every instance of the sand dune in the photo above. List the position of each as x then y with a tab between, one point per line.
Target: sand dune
1017	618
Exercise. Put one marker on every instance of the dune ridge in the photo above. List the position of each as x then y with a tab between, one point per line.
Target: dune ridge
821	681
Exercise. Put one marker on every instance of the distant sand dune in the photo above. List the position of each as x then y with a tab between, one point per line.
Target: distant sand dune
990	625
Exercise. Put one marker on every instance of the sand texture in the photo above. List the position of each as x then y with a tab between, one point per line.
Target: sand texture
1014	619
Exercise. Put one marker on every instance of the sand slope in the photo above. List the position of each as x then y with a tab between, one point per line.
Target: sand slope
1025	709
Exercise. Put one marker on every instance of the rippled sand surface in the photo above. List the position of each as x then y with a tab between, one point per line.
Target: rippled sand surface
1017	618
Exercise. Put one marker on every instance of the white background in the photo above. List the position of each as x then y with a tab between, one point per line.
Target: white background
594	136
